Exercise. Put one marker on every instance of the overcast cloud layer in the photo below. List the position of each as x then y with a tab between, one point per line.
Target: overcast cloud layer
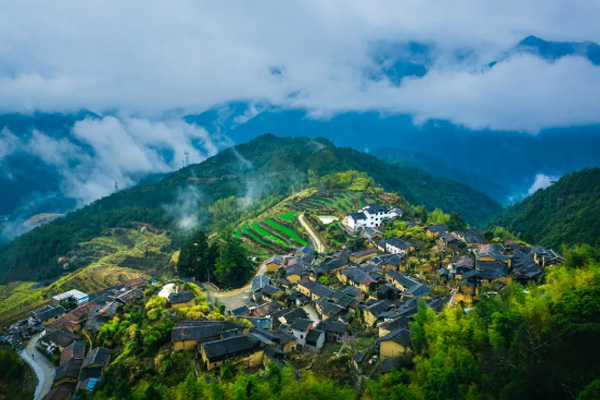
147	58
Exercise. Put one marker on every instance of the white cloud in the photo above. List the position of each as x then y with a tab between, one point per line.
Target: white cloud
100	152
542	181
148	58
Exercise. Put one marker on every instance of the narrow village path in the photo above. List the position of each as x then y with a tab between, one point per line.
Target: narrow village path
313	236
233	298
43	368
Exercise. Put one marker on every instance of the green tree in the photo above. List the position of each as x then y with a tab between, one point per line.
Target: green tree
456	223
233	266
323	280
196	257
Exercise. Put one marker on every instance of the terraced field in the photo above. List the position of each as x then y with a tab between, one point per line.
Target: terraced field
288	216
286	231
274	234
343	202
277	230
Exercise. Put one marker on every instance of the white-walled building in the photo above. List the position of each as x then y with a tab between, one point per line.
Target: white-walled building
371	216
79	297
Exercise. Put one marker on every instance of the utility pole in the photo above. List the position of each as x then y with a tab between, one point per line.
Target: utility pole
116	187
187	158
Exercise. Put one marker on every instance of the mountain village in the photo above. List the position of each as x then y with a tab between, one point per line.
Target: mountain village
351	308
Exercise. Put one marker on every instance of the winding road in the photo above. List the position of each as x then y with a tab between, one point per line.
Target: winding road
43	368
313	236
233	298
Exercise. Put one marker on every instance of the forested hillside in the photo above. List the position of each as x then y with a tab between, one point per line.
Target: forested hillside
568	212
438	167
257	174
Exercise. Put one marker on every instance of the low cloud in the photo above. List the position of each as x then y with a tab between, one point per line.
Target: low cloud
185	208
542	181
100	152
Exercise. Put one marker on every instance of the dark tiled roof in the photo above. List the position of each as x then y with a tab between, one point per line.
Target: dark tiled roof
358	216
291	315
472	235
181	333
436	305
91	372
301	324
400	336
305	249
333	326
307	283
275	260
240	310
388	364
313	336
391	259
374	208
68	369
49	312
401	279
399	243
322	290
378	307
332	309
181	297
97	356
284	336
231	347
74	350
61	392
270	290
363	253
294	269
129	295
62	338
418	290
265	309
260	282
437	228
394	324
351	291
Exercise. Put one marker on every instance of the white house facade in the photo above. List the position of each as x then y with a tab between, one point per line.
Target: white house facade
371	216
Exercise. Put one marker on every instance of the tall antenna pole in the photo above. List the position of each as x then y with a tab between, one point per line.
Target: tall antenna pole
116	187
187	158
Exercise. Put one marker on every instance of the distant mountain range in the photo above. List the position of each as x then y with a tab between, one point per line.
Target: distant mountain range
439	167
568	212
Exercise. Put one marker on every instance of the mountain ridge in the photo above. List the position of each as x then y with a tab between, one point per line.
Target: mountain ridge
266	169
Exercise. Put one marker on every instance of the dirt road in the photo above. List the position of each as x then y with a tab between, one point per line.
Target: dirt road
233	298
40	364
319	247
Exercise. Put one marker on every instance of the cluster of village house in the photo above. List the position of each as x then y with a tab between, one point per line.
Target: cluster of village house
60	340
370	285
